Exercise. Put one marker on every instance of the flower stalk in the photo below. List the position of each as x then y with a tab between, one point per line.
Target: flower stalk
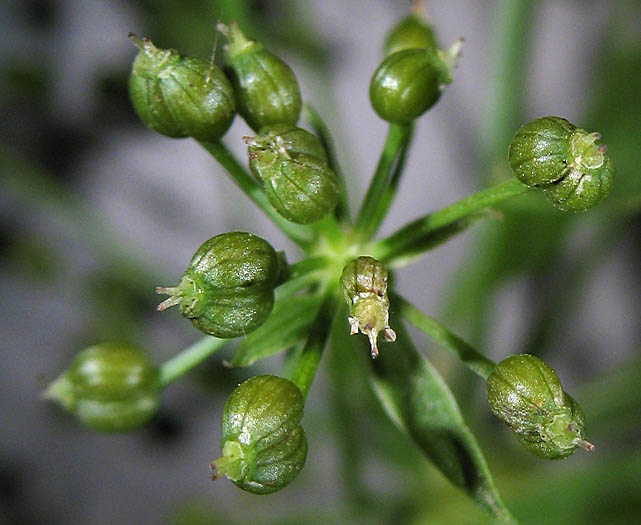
396	245
369	213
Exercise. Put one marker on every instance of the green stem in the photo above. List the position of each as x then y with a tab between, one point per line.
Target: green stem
307	265
330	230
503	113
390	191
433	239
189	358
397	139
470	357
253	190
325	136
295	283
307	364
397	244
347	384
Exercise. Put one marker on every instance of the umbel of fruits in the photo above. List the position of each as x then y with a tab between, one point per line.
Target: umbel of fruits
266	89
228	288
527	395
109	387
364	286
292	164
264	446
574	171
180	96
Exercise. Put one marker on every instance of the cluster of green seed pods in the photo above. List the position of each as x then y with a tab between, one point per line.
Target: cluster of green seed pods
227	290
291	162
565	161
179	97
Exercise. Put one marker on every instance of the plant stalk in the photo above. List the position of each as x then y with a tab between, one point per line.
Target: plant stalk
325	136
397	244
470	357
368	215
189	358
307	364
390	191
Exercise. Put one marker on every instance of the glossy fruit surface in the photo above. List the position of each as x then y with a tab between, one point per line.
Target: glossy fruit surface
551	153
407	84
527	395
228	288
297	180
266	89
109	387
264	446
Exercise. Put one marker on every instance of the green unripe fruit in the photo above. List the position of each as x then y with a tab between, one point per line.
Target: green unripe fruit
264	446
266	89
292	164
228	288
412	32
408	83
179	96
527	395
364	286
290	140
109	387
553	154
539	153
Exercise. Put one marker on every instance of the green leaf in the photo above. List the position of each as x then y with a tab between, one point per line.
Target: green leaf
287	325
417	399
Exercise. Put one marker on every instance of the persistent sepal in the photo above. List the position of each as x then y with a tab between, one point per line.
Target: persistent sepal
364	286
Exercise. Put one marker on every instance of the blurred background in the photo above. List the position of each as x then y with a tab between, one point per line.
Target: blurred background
96	210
